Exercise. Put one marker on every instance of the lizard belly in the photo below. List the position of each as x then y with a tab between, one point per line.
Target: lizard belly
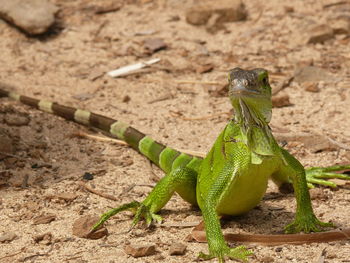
245	191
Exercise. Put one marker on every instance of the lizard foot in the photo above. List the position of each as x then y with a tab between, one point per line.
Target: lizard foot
317	175
144	211
140	210
306	224
237	253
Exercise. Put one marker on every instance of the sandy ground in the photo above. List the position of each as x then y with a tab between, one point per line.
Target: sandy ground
62	66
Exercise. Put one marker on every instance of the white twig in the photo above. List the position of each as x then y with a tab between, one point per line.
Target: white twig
131	68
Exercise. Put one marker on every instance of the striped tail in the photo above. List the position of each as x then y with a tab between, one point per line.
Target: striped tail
164	157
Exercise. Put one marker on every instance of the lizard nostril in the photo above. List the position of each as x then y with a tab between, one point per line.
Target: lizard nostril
235	82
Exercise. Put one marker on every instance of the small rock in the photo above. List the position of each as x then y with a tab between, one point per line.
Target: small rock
312	74
88	176
68	197
200	69
39	144
111	7
189	238
83	96
177	249
7	237
317	143
44	219
319	34
340	26
32	16
224	10
140	250
159	257
17	119
95	74
267	259
281	101
83	225
153	45
6	145
278	249
10	162
45	239
32	206
126	98
289	9
124	162
197	17
332	255
174	18
310	86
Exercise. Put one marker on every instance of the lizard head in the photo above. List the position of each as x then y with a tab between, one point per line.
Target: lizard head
250	94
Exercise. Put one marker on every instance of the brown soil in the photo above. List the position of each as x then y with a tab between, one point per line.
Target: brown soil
62	67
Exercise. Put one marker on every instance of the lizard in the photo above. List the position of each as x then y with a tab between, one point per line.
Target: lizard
231	179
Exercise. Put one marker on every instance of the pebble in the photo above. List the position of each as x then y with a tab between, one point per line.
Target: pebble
281	101
311	74
221	11
44	239
44	219
7	237
177	249
153	45
310	86
83	225
319	34
341	26
32	16
17	119
140	250
267	259
6	145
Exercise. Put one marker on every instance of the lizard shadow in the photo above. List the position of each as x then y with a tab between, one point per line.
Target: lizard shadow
266	218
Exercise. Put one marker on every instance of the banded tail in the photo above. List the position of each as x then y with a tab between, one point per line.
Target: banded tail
164	157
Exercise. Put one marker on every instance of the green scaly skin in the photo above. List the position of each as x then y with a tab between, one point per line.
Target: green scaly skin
231	179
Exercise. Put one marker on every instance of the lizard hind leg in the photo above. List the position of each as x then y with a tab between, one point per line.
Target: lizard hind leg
182	180
140	210
129	206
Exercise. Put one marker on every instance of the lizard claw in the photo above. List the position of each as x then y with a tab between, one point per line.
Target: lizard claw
317	175
145	212
141	211
238	253
306	224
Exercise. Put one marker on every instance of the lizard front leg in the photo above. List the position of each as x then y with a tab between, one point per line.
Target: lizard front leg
317	175
218	248
217	245
314	176
182	180
305	219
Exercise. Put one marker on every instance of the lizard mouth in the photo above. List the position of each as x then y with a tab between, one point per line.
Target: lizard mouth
242	91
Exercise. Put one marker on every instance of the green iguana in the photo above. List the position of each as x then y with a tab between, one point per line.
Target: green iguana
233	176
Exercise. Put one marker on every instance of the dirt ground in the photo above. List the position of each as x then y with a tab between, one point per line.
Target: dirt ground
175	103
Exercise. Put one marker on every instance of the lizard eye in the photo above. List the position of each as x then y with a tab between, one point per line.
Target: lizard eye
265	81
